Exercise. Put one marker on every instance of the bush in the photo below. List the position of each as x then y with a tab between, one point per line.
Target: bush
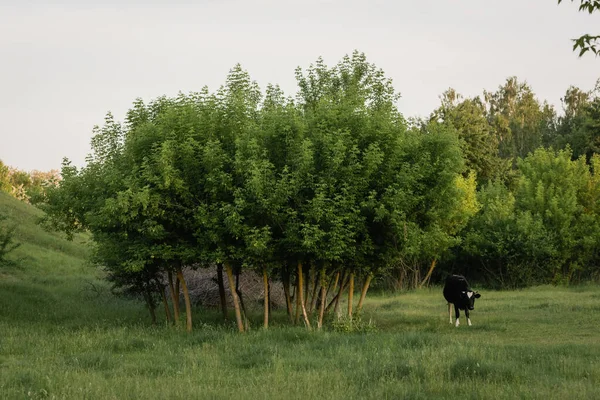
7	243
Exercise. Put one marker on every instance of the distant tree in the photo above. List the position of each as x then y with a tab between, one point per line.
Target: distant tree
477	140
5	185
579	127
546	230
587	42
517	118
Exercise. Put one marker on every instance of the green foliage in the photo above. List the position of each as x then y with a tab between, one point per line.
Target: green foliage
579	127
337	180
546	230
587	42
333	179
354	324
517	118
7	242
5	184
478	143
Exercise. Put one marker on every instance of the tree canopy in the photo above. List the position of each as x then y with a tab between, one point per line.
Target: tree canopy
333	188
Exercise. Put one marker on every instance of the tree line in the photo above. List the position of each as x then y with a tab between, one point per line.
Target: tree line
331	188
26	186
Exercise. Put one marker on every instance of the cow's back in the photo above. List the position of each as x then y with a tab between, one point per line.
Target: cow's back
454	285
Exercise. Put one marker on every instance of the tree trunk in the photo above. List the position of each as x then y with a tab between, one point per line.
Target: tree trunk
301	292
350	294
336	307
313	297
186	297
239	293
416	277
335	283
336	299
297	290
266	283
286	289
306	286
174	297
222	290
161	289
323	299
363	293
270	303
150	305
177	292
322	307
428	276
401	279
234	295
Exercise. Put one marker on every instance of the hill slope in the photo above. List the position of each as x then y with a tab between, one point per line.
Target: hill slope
49	279
48	254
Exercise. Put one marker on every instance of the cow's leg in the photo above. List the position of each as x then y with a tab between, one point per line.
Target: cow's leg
457	312
467	315
450	311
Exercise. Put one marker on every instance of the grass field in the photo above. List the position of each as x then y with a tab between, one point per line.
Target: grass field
64	336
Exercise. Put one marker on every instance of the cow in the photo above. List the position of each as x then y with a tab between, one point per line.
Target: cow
457	292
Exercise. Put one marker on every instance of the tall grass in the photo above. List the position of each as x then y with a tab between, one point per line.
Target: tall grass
64	336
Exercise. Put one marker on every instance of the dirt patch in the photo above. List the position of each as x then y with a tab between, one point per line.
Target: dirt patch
204	289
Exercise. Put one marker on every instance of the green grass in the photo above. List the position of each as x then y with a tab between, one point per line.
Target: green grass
64	336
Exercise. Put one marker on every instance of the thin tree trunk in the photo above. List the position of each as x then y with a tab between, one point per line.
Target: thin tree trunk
363	293
221	284
266	283
335	283
174	297
234	295
323	299
416	277
301	292
313	297
306	286
286	289
401	279
297	290
270	303
177	292
350	294
336	299
322	307
239	293
161	289
428	276
186	297
150	305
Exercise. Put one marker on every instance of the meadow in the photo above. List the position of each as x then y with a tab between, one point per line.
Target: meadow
63	335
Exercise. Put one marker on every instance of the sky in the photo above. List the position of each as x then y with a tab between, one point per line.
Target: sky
64	65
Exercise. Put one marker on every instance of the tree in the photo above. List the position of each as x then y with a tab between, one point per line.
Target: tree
579	127
477	140
5	185
517	118
587	42
546	230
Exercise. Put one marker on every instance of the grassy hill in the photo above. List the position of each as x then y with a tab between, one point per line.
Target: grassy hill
63	335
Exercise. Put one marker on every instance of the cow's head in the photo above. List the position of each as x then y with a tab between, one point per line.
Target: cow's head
468	299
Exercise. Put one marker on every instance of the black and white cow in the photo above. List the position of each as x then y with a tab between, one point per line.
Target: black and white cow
458	292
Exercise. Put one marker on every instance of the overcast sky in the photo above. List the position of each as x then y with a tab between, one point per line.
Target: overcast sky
63	66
